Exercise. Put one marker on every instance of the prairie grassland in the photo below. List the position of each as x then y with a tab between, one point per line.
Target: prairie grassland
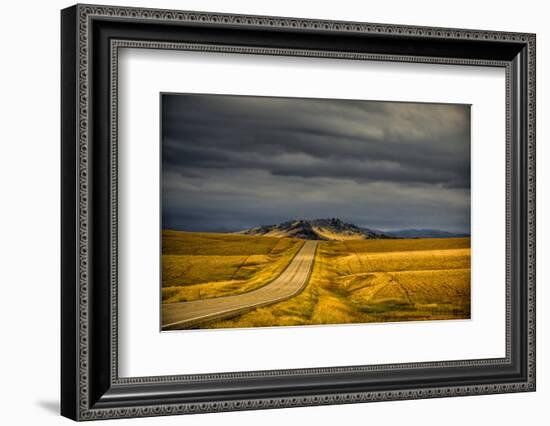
204	265
375	281
210	243
397	245
449	259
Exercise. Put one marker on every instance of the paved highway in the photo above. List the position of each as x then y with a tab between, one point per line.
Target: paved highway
177	316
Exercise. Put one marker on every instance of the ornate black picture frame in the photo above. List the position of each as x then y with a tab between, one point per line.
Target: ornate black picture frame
91	37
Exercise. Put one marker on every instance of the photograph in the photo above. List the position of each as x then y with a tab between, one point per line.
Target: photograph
295	211
262	208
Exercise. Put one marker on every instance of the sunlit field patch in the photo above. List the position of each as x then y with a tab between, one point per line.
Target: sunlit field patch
375	281
205	265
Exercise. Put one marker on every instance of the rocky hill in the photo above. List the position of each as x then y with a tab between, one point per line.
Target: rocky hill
317	229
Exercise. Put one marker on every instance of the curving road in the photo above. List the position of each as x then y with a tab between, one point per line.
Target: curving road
177	316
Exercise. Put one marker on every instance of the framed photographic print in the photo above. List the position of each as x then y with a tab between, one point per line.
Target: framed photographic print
263	212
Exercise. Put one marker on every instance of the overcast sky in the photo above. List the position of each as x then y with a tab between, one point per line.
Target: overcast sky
234	162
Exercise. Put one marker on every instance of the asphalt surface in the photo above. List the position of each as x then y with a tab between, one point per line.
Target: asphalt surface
177	316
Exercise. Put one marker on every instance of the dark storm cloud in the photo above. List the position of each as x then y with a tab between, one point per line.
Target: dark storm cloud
362	141
282	144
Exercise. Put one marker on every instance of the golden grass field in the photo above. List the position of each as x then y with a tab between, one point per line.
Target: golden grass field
204	265
354	281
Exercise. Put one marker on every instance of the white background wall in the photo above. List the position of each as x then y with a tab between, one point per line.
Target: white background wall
29	212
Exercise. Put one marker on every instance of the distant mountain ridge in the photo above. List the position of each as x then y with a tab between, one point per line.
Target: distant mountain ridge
317	229
337	230
425	233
